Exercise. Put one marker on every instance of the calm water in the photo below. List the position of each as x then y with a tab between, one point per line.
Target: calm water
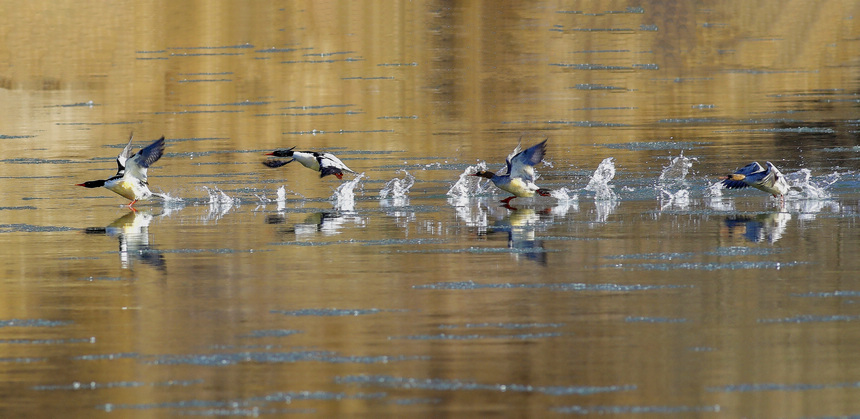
641	289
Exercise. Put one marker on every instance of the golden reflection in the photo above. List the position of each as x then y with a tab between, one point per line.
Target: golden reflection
132	232
433	86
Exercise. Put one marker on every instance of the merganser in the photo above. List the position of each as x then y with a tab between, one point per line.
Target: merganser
769	180
519	177
325	163
130	178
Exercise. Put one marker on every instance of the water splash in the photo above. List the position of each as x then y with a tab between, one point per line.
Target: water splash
714	190
599	183
804	187
281	198
344	196
398	189
219	202
671	184
468	185
677	170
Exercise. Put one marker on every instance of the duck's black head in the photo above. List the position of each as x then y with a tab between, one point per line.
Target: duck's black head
288	152
92	184
484	174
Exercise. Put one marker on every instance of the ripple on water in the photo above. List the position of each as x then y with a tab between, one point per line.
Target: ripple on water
29	228
448	336
808	318
781	387
33	323
224	359
327	312
564	286
656	145
632	319
271	333
616	410
251	406
92	385
710	266
838	293
458	385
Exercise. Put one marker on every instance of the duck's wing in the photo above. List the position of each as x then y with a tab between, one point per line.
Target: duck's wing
509	159
124	155
329	161
773	178
522	164
753	173
137	164
277	163
750	169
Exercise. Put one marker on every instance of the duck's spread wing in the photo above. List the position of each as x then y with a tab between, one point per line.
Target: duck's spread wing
734	184
750	169
511	157
753	173
277	163
329	161
124	155
522	164
140	161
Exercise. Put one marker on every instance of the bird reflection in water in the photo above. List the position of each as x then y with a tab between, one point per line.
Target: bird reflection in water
767	227
326	222
132	231
521	225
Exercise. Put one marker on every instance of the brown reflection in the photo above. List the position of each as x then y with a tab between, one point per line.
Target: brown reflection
132	232
434	82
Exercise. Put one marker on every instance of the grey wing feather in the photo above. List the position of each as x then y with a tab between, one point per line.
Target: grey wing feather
150	154
509	159
750	169
734	184
522	164
124	154
140	161
277	163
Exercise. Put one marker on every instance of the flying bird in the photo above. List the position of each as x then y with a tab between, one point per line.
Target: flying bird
519	176
325	163
130	178
769	179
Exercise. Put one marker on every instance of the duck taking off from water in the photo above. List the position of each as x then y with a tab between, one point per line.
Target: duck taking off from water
769	180
325	163
130	178
519	176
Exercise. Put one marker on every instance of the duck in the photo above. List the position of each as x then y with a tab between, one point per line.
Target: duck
325	163
130	180
519	175
769	179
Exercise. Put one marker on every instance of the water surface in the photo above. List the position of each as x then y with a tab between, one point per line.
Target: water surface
639	288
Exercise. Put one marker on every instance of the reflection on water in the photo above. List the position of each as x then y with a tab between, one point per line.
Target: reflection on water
639	286
132	232
768	227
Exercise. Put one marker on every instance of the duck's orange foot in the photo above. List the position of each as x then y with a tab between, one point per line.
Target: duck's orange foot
544	192
507	200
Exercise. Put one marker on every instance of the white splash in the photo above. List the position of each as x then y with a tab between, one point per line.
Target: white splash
679	199
714	190
599	183
468	185
676	170
344	196
671	184
219	202
398	189
804	187
281	198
